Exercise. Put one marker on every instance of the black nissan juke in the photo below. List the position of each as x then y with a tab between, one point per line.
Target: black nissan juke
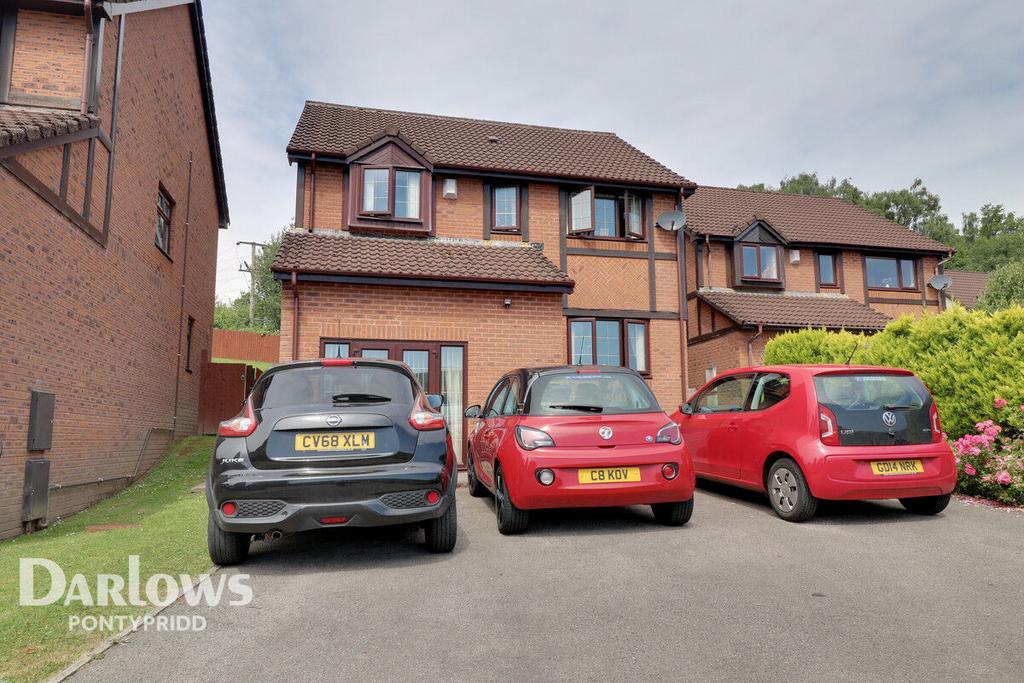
327	443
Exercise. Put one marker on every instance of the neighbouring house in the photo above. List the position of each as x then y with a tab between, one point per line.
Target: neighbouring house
761	262
467	247
111	196
965	287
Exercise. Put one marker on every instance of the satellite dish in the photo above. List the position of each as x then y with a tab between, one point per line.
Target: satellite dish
671	220
940	282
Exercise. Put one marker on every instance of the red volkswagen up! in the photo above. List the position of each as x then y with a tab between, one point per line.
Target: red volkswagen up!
570	437
807	432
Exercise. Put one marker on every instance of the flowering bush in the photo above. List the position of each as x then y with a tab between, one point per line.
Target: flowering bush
990	462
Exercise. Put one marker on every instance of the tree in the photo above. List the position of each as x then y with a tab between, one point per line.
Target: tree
1005	288
234	314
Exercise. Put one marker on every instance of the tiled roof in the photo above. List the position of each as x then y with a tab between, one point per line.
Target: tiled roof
794	311
28	125
718	211
453	260
966	286
448	141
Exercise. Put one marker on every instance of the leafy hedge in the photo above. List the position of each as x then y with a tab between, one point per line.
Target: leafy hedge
968	359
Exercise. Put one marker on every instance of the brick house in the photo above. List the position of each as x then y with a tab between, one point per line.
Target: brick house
111	196
761	263
468	247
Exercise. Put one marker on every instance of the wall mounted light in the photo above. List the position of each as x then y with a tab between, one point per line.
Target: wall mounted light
507	303
794	256
451	188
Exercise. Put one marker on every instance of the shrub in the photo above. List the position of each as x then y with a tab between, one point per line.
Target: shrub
990	462
967	358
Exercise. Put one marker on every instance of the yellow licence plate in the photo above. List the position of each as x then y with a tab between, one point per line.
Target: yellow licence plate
608	475
334	441
885	468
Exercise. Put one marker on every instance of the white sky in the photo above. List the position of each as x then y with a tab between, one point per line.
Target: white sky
722	92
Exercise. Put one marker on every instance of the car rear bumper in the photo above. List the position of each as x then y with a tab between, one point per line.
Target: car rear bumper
567	492
845	475
292	500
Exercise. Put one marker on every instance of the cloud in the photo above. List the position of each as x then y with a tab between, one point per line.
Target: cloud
723	92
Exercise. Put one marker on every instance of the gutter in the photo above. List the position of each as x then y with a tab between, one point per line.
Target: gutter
87	11
750	344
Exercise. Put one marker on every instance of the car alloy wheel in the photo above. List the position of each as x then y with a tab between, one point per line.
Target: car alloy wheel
511	520
783	490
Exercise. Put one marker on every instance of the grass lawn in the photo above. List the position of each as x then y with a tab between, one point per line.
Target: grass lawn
167	532
259	364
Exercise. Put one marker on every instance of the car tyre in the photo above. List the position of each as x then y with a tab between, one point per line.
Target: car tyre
511	520
789	493
440	533
673	514
926	505
476	487
226	547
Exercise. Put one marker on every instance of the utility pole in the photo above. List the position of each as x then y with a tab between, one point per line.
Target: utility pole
247	268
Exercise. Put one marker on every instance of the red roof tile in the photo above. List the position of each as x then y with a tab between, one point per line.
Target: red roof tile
719	211
452	142
966	286
450	260
28	125
795	311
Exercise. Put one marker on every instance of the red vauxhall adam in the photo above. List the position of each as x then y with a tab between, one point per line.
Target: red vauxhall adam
571	437
807	432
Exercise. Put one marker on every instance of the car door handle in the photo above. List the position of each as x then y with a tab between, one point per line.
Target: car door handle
733	426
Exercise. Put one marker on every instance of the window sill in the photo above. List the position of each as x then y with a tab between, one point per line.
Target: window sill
515	232
903	290
634	240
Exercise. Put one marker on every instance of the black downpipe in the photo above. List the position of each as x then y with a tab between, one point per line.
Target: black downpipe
181	308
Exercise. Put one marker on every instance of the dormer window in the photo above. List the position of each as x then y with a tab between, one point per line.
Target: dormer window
606	215
389	192
760	262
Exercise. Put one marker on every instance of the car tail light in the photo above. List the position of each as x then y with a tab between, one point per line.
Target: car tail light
669	471
669	434
229	509
243	424
433	497
423	418
334	362
936	424
530	438
333	520
827	426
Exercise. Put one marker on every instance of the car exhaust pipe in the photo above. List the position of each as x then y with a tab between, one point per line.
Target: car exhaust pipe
276	534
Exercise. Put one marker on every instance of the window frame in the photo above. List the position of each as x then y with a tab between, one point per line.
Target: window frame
168	218
623	324
749	406
834	284
899	273
516	229
717	382
623	232
492	398
392	176
759	246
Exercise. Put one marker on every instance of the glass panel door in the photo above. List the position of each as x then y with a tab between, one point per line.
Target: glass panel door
452	381
419	362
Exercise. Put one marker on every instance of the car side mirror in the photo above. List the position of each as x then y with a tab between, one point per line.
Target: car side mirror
686	409
472	411
435	401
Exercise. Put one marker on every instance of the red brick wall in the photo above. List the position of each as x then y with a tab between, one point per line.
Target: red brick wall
49	56
99	326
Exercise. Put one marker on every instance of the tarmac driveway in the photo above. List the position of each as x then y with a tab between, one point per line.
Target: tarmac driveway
863	592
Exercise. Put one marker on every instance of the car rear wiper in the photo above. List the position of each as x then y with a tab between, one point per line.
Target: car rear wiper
359	398
576	406
899	406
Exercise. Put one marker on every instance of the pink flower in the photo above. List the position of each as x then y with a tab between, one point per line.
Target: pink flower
1000	403
1003	478
969	469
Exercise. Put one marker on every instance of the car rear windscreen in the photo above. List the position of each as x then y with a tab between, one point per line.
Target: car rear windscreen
336	386
877	409
590	393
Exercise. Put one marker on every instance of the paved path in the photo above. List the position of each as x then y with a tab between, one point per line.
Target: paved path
863	592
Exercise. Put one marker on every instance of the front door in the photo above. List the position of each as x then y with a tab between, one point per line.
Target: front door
440	368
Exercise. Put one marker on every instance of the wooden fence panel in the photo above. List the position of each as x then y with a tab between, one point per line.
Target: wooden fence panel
241	345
